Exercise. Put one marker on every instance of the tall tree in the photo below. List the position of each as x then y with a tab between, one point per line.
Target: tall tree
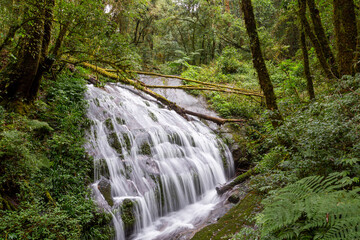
321	36
346	35
314	40
259	62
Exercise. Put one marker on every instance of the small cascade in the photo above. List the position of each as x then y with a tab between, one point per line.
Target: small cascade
155	172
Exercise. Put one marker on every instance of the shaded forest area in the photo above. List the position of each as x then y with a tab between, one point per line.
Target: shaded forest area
300	133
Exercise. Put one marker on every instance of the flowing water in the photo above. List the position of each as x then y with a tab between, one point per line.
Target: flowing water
155	172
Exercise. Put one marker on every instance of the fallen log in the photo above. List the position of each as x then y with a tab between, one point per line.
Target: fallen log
239	179
142	87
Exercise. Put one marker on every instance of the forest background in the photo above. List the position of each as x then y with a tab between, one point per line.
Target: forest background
300	136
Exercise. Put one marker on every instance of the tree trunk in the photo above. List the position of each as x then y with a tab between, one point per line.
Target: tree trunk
26	74
309	80
319	53
321	36
259	63
60	39
25	70
45	62
345	34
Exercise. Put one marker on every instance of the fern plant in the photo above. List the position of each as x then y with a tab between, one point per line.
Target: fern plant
315	207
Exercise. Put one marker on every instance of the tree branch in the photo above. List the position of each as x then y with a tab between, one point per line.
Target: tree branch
238	90
142	87
207	89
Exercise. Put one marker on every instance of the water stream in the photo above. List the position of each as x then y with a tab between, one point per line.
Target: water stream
155	171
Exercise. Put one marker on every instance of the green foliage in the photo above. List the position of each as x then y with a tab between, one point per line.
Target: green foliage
320	138
45	169
312	208
229	61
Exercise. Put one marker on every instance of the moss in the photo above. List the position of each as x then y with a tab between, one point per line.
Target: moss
128	171
147	103
145	149
175	139
97	102
159	193
240	215
102	168
127	142
109	125
39	128
120	121
223	156
153	116
104	187
115	143
128	216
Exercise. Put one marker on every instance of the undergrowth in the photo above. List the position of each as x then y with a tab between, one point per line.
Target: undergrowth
45	171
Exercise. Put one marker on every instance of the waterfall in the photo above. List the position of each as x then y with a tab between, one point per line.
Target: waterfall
155	172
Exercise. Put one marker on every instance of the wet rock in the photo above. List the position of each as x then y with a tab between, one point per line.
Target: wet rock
102	168
240	157
234	198
104	187
128	216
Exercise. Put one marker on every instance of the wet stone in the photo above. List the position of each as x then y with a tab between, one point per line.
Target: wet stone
234	198
102	168
104	187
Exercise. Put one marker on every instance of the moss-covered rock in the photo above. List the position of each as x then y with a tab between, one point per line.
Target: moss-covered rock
145	149
120	121
153	116
109	125
102	168
104	187
240	215
115	143
128	216
127	142
175	139
39	128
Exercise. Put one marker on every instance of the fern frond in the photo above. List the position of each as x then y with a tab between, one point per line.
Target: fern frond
315	205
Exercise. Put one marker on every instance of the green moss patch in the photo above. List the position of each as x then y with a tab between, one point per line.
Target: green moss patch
128	216
240	215
145	149
109	125
115	143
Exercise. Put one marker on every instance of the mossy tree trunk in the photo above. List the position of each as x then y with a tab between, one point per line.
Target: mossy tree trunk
45	61
346	35
259	62
26	73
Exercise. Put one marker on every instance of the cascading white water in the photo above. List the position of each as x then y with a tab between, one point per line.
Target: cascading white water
154	170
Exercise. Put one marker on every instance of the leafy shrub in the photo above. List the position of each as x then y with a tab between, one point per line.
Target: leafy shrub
323	136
